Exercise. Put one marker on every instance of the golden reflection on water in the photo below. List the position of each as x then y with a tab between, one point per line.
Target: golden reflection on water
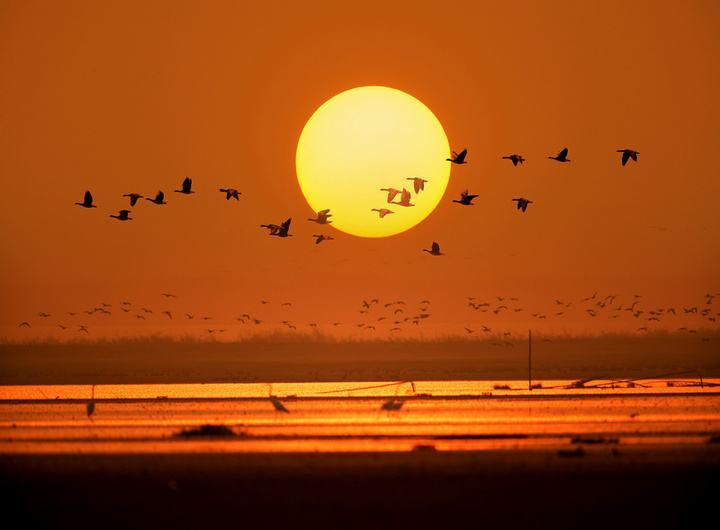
442	416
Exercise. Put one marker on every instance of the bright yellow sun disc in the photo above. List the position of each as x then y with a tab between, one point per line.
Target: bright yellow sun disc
366	139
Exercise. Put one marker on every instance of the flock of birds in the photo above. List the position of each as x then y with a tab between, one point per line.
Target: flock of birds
396	316
282	230
467	198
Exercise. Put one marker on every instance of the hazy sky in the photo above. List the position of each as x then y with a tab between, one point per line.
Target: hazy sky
132	96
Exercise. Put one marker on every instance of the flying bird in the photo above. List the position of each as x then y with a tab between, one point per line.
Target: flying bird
404	199
322	217
319	238
186	187
435	250
231	193
627	154
87	201
418	183
466	199
515	159
168	295
24	324
392	192
561	156
458	158
279	230
123	215
133	198
168	313
522	203
158	199
381	211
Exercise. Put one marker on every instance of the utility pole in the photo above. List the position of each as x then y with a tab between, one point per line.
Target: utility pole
530	359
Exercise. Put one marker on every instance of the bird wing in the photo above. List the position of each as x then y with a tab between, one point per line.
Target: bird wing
88	198
160	197
514	160
187	184
462	155
286	224
633	155
563	153
435	247
625	157
324	212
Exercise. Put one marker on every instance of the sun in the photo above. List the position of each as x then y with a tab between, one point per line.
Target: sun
365	139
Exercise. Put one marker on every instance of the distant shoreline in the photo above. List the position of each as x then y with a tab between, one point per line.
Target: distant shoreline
150	360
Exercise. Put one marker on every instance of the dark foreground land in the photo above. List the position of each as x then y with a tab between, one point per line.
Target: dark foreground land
638	488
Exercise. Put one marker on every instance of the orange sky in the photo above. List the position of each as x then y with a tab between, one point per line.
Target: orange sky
132	96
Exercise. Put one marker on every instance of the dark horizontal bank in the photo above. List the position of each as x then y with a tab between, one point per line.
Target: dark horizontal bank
317	358
663	488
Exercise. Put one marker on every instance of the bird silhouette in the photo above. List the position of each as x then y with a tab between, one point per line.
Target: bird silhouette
465	198
392	192
276	403
284	229
319	238
87	201
273	228
418	184
168	295
133	198
186	187
515	159
627	154
561	156
392	404
168	313
458	158
279	230
381	211
435	250
123	215
90	405
404	199
522	203
322	217
158	199
231	193
24	324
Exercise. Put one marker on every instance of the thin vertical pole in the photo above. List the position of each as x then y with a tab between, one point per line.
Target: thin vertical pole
530	359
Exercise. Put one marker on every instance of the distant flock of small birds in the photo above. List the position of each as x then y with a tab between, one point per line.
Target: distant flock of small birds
282	230
395	315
